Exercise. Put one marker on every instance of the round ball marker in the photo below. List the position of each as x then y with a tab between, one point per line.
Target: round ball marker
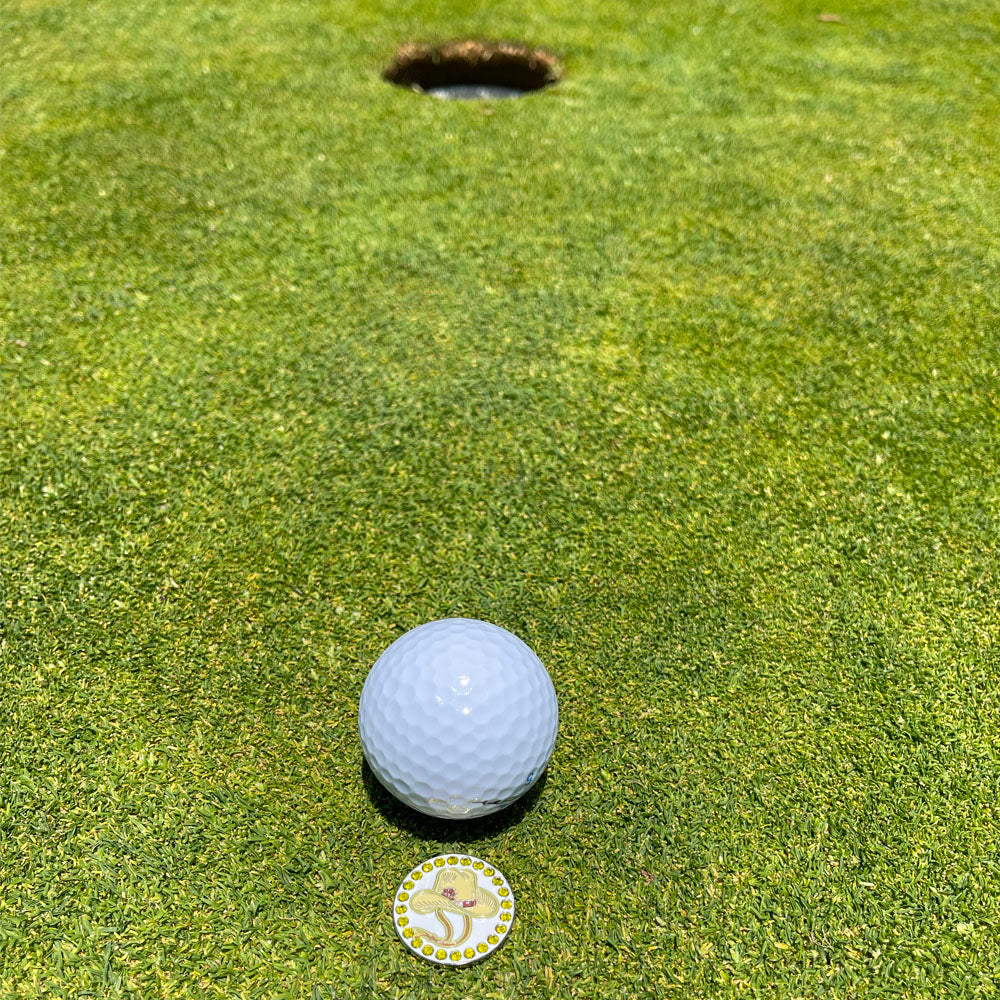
453	909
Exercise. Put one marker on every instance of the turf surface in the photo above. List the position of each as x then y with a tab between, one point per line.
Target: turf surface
685	370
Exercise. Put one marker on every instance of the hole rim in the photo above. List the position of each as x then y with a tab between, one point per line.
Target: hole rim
424	67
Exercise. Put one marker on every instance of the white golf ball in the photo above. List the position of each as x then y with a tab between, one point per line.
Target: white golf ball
458	718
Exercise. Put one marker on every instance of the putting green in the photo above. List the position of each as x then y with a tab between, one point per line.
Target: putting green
685	370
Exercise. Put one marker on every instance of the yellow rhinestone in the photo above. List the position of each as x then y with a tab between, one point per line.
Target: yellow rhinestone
493	939
477	865
401	909
417	942
408	933
403	921
500	892
439	862
403	896
469	953
456	955
440	954
501	928
481	947
426	867
453	860
428	950
407	885
466	862
487	871
498	881
506	904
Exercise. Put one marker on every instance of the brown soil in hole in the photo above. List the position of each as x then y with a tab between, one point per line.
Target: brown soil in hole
495	64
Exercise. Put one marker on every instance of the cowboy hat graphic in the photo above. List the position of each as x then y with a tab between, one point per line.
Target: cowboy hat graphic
455	891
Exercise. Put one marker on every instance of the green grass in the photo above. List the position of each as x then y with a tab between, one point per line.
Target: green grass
687	371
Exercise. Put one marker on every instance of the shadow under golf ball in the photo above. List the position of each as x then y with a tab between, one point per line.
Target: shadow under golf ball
431	828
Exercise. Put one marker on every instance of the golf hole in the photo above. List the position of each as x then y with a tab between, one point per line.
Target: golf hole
472	70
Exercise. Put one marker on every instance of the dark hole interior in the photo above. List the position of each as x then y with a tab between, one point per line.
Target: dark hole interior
471	63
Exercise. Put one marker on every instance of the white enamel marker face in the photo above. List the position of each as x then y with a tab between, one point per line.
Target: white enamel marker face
454	909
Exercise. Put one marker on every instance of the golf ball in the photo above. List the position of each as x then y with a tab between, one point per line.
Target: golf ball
458	718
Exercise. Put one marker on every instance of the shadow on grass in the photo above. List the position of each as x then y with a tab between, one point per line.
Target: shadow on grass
448	830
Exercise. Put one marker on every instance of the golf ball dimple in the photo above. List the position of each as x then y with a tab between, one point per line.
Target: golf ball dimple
458	718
